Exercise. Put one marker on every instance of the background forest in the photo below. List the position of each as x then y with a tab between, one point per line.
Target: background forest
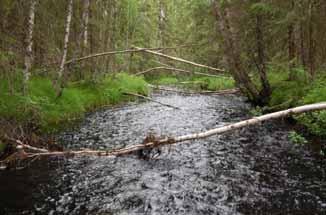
274	50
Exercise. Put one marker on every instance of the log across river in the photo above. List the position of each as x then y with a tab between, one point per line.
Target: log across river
253	170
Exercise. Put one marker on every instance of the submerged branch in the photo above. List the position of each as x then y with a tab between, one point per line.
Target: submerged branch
149	99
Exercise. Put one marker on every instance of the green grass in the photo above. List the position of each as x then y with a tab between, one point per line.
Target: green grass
214	84
285	91
195	82
51	113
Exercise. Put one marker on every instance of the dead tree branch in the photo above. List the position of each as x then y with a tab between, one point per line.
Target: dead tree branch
132	50
201	135
176	70
180	60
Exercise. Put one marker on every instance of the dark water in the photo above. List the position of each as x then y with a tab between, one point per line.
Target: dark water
251	171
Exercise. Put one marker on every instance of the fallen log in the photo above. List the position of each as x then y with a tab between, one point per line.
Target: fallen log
149	99
180	60
119	52
176	70
201	135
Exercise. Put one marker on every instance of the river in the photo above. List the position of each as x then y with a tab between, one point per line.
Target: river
254	170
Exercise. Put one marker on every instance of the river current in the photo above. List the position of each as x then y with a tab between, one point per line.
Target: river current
254	170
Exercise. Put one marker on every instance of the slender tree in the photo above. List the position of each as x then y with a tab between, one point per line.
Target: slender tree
85	22
29	45
59	84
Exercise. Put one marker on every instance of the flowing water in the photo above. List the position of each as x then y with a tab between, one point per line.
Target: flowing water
254	170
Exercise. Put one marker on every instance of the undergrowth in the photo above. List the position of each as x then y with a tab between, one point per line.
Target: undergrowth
51	113
300	91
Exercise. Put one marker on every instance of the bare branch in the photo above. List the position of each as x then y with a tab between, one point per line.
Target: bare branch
176	70
181	60
195	136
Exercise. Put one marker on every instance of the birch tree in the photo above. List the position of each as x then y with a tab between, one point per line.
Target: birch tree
85	22
65	48
29	45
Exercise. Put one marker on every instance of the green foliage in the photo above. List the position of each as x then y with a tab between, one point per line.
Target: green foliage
296	138
288	91
257	111
317	92
315	122
42	104
2	147
261	8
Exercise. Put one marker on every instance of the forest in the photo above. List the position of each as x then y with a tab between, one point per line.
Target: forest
171	89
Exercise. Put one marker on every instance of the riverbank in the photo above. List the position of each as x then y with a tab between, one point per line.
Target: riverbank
42	112
285	94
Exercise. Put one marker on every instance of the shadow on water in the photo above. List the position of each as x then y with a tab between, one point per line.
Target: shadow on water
250	171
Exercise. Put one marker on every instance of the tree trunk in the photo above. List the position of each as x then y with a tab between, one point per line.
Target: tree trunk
311	42
302	46
291	46
29	45
161	24
266	89
85	23
232	51
59	84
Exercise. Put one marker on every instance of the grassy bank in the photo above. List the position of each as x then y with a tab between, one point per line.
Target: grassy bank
51	113
290	93
194	82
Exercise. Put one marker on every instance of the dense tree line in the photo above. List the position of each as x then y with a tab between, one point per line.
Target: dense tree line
247	37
